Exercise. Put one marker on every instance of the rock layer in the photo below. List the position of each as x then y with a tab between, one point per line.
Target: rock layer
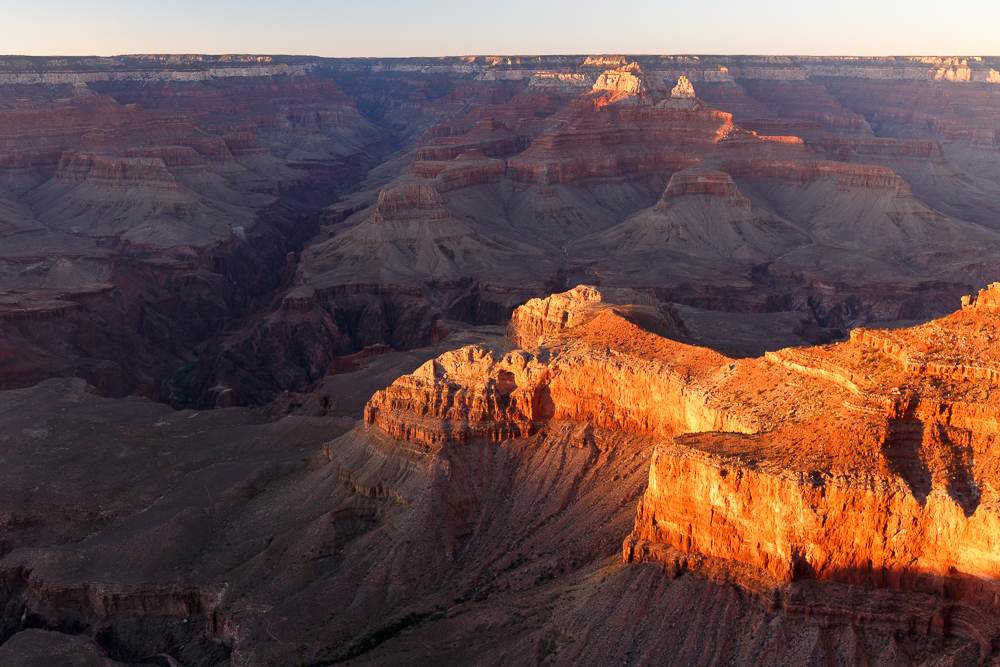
893	488
851	463
169	229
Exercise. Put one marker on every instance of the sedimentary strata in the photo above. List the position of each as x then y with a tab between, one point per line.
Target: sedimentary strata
868	462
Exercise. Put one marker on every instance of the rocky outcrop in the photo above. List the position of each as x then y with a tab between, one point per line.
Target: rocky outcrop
539	319
488	137
893	488
412	235
410	201
654	139
584	362
857	176
701	181
469	169
628	79
627	84
121	172
986	302
881	475
682	89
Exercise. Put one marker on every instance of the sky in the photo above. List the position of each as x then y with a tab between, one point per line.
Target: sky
394	28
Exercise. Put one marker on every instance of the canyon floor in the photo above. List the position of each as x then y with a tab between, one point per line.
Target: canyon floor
553	360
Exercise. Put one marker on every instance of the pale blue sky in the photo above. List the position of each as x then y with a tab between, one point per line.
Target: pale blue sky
453	27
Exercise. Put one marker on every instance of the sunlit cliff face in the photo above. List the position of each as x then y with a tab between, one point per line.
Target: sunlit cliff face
865	462
628	82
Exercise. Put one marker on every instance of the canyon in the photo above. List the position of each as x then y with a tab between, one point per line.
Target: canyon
558	360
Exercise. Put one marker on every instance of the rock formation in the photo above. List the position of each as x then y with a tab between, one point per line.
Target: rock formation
877	450
866	463
395	538
682	89
341	242
891	488
134	229
553	170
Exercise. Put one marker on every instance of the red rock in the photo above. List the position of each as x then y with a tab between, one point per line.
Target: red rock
469	169
889	490
140	237
682	89
480	393
841	454
487	137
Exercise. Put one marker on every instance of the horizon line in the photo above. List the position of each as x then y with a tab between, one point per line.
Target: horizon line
502	55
